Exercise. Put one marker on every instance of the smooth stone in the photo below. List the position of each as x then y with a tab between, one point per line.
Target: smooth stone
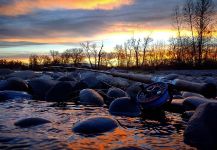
45	77
111	81
29	122
211	80
5	71
191	103
133	90
15	84
90	97
189	94
116	93
6	95
176	105
131	148
62	92
23	74
171	76
188	114
124	107
39	87
75	75
95	125
93	82
201	131
66	78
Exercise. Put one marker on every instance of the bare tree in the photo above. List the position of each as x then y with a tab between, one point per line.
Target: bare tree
86	48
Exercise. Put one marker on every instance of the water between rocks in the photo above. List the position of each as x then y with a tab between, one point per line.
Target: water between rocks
164	133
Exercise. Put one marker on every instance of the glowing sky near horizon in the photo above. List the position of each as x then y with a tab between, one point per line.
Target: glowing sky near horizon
38	26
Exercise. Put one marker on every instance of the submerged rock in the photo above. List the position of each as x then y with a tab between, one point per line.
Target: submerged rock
29	122
61	92
191	103
90	97
6	95
95	125
15	84
39	87
201	131
124	107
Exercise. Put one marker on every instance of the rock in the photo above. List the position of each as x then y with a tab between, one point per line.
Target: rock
124	107
133	90
90	97
201	131
176	105
189	94
39	87
5	71
171	76
23	74
61	92
116	93
211	80
191	103
95	125
29	122
6	95
45	77
66	78
188	114
111	81
93	82
131	148
15	84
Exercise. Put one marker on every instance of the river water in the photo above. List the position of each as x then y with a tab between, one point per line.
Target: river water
165	132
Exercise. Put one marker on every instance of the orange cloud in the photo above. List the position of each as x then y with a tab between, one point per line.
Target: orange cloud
27	6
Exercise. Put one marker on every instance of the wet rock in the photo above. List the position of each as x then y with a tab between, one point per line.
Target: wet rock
189	94
191	103
6	95
116	93
188	114
95	125
61	92
23	74
90	97
201	131
124	107
176	105
29	122
39	87
15	84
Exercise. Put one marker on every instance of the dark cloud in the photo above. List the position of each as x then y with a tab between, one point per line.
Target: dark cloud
11	44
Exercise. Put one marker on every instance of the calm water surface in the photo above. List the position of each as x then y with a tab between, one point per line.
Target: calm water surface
162	133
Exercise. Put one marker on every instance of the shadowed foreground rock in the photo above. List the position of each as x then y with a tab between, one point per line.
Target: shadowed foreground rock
6	95
29	122
124	107
95	125
14	83
90	97
201	131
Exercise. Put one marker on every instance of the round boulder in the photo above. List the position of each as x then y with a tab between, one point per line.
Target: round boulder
90	97
6	95
116	93
29	122
95	125
124	106
201	131
189	94
23	74
61	92
15	84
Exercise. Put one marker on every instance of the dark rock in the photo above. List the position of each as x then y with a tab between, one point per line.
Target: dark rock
133	90
95	125
124	107
116	93
176	105
90	97
188	114
23	74
171	76
93	82
191	103
201	131
29	122
66	78
15	84
6	95
189	94
39	87
131	148
4	71
61	92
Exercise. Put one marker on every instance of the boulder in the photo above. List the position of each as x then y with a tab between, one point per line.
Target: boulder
133	90
61	92
189	94
176	105
15	84
5	71
116	93
39	87
201	131
29	122
6	95
23	74
191	103
66	78
188	114
124	106
90	97
171	76
95	125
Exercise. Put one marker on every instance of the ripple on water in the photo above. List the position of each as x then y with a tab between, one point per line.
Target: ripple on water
157	133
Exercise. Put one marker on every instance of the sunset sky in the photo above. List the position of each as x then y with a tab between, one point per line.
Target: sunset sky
38	26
